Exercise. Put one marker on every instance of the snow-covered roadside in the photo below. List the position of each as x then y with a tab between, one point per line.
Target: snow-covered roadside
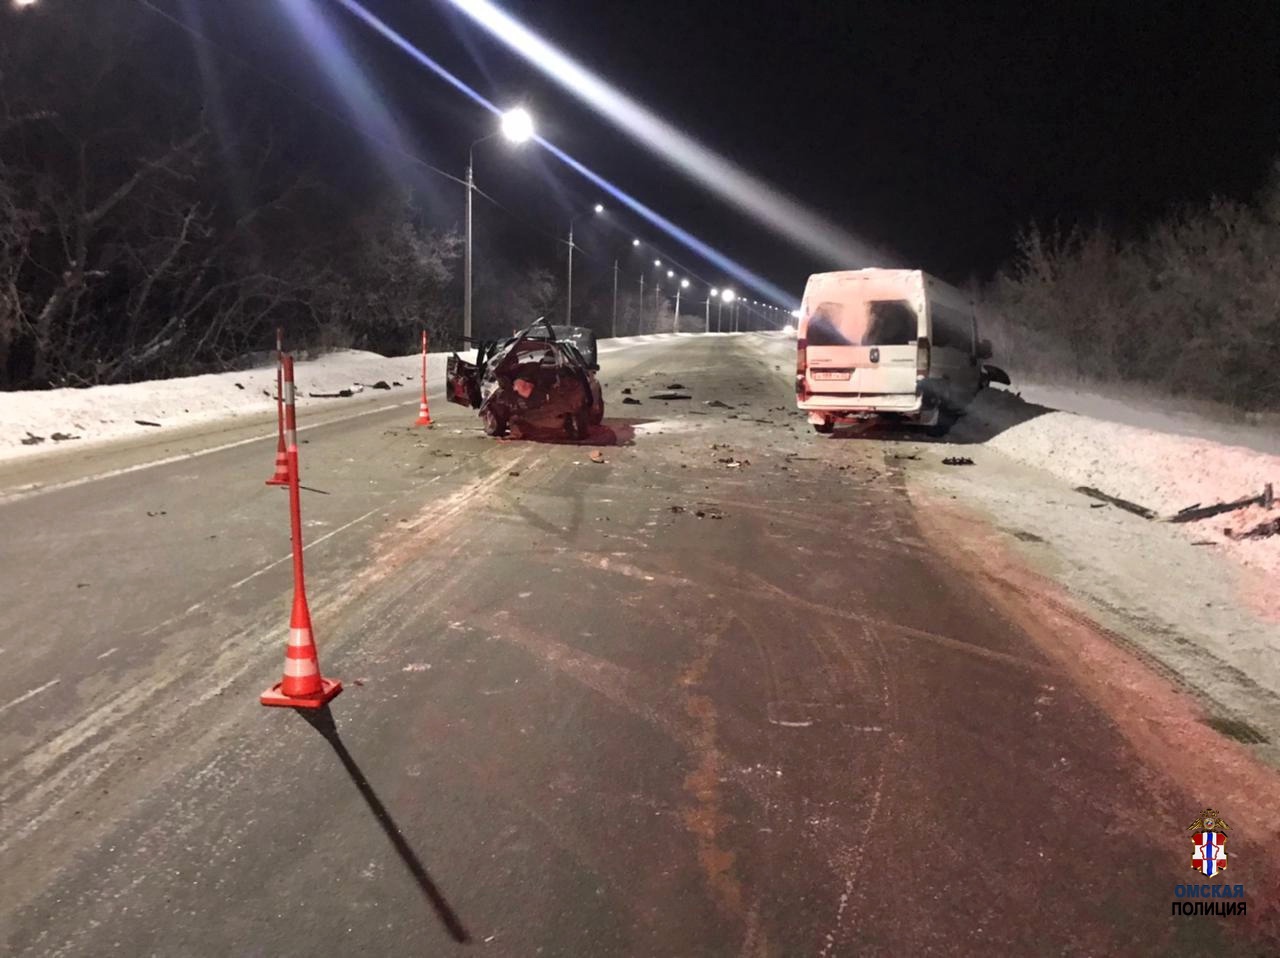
1178	416
101	414
1165	472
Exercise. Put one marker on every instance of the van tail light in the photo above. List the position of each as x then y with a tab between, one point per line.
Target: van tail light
922	357
802	387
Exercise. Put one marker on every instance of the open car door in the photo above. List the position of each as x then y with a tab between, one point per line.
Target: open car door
462	382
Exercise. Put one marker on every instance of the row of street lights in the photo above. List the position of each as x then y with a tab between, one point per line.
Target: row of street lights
516	126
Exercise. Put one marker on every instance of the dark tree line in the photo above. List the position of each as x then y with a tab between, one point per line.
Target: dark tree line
1190	307
153	223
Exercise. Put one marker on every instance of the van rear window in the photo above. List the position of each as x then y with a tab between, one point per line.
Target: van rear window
882	322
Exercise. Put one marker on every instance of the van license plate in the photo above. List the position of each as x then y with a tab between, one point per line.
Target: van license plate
831	373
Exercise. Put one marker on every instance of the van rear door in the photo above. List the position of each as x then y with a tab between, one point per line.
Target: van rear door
862	347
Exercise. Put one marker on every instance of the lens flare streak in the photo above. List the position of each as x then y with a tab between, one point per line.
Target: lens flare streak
681	235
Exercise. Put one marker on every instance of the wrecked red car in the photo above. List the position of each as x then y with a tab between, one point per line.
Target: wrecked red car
537	380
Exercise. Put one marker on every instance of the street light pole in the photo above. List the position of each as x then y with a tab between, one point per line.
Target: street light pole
568	310
466	268
615	300
516	126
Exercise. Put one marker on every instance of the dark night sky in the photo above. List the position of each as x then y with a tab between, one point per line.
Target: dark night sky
936	129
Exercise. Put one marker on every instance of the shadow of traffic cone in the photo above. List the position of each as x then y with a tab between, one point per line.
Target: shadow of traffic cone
281	477
302	686
424	411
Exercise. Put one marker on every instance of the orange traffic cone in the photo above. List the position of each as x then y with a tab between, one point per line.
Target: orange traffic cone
424	411
302	687
424	414
281	477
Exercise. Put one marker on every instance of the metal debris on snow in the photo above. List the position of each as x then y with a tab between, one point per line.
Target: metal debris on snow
956	461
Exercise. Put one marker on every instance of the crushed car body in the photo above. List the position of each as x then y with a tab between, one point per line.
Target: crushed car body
538	380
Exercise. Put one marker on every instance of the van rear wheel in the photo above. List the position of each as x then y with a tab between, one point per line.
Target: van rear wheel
943	425
825	427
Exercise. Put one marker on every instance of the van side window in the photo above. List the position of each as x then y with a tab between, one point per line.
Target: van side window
952	328
890	322
824	326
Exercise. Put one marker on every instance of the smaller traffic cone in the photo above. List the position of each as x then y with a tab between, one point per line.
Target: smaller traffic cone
281	477
424	411
302	686
424	414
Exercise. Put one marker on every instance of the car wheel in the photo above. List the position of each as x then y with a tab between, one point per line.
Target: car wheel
597	412
494	425
943	426
825	428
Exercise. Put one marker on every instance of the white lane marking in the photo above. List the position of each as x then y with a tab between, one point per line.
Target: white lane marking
34	692
110	651
34	489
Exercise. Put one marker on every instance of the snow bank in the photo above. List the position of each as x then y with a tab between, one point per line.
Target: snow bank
1165	472
1182	416
101	414
104	413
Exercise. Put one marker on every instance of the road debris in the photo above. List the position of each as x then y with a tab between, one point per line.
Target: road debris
144	422
677	509
628	401
62	437
1124	504
627	391
733	463
1197	511
716	404
677	386
159	512
1263	530
957	461
597	456
670	396
32	439
239	385
709	513
340	394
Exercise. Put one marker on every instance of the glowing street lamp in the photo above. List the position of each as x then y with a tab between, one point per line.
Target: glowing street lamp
635	242
684	284
712	293
516	126
728	297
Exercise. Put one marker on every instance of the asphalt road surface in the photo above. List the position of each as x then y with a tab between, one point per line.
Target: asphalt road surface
719	694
